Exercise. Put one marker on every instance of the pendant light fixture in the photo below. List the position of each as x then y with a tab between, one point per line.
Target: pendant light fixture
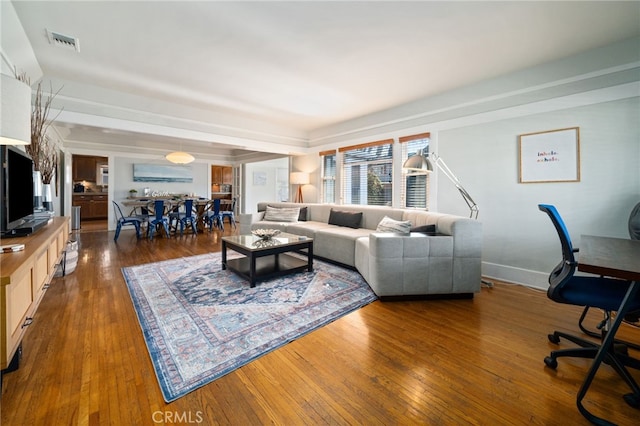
180	157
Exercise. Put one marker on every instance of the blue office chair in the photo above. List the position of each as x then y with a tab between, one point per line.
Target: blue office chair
596	292
125	220
212	216
159	218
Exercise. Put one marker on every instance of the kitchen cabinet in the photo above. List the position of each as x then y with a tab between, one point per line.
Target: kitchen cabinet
98	207
92	206
84	168
227	175
221	175
216	175
221	181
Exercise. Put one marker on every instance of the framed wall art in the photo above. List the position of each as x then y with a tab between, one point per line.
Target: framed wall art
162	173
550	156
259	178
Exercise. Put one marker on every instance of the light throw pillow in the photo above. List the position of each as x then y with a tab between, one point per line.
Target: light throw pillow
344	218
285	214
391	225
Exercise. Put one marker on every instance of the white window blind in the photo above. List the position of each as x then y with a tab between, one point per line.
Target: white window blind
367	173
328	173
415	187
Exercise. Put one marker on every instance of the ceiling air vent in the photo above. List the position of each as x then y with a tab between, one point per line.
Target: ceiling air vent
64	41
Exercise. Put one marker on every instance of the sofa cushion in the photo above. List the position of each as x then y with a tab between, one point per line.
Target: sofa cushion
274	214
338	243
307	228
396	226
344	218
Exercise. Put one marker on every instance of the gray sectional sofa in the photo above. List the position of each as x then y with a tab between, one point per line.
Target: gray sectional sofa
444	262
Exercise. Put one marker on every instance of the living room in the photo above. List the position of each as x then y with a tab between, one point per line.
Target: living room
474	127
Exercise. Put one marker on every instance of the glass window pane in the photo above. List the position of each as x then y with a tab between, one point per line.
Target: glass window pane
328	178
415	187
367	175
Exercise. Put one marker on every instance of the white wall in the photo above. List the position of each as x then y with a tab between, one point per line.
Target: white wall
261	182
520	243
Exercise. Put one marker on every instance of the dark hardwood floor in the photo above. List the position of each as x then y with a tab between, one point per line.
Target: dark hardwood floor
439	362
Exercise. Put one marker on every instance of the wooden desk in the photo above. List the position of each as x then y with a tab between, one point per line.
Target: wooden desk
613	257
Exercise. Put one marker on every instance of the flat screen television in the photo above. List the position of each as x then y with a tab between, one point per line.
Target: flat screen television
16	190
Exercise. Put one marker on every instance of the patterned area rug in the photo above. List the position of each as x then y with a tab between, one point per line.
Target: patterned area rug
201	322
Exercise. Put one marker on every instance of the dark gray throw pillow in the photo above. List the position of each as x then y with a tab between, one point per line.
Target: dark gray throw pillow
425	229
303	214
343	218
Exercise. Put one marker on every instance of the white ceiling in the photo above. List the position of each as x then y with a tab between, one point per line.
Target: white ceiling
232	72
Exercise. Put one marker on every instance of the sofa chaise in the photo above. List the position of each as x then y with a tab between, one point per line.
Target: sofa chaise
441	260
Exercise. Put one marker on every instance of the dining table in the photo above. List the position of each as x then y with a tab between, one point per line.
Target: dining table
618	258
200	203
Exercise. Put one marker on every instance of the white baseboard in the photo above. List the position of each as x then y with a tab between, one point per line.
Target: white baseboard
515	275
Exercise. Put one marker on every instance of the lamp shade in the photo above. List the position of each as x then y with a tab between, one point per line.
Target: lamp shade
15	112
418	163
299	178
180	157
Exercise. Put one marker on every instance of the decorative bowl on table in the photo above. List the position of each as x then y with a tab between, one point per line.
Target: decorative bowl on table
265	234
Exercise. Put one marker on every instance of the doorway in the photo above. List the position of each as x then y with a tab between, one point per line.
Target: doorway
90	191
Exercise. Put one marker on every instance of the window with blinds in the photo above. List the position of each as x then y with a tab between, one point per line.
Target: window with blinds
328	177
366	172
415	186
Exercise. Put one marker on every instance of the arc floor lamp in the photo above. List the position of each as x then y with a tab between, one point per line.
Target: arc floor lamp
423	162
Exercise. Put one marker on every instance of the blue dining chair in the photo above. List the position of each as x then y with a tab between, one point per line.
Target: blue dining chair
142	212
212	216
230	214
185	215
123	220
159	218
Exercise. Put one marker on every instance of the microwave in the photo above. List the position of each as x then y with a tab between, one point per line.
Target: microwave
103	175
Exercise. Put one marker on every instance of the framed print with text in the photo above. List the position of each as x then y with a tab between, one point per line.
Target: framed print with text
550	156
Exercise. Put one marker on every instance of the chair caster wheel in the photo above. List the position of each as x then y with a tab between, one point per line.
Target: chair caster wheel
632	399
551	362
553	338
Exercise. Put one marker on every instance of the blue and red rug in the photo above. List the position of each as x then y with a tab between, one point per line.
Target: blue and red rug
200	322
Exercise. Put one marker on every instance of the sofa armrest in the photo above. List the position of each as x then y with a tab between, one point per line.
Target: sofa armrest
412	264
246	219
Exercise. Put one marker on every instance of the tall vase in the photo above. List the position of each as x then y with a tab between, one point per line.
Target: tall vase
47	198
37	190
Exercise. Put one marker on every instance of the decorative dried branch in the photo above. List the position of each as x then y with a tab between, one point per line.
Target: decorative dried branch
43	150
39	125
48	159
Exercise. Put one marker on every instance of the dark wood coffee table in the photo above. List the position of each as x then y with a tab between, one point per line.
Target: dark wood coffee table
267	258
